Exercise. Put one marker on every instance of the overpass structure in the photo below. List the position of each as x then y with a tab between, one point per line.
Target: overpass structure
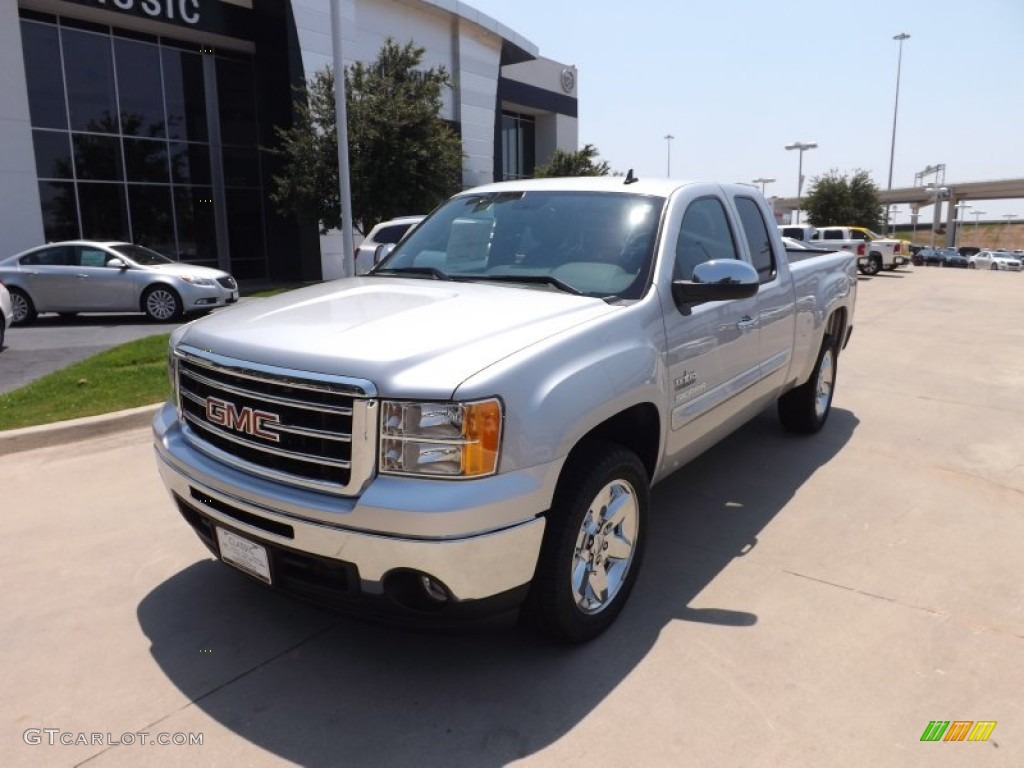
921	197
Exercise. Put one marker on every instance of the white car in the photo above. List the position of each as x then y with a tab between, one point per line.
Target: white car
1002	260
6	312
386	233
89	276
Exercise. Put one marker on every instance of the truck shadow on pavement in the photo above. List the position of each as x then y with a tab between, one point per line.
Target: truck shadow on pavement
320	689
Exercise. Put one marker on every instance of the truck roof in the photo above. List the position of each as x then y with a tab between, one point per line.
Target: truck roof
642	186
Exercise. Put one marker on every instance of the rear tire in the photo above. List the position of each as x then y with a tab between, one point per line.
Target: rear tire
593	544
24	309
805	409
970	265
873	266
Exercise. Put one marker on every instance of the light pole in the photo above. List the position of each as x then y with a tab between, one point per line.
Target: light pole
1009	216
914	215
960	208
891	222
801	146
668	154
762	182
977	215
899	64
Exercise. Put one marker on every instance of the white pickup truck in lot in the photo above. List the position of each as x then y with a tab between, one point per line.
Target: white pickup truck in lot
874	252
476	425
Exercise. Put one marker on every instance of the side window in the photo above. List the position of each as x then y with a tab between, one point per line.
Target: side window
704	235
855	235
91	257
391	234
58	256
760	243
833	234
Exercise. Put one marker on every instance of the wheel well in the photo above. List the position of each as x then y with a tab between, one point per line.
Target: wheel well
637	428
835	326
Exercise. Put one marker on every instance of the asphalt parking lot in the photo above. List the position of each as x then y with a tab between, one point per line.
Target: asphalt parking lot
804	602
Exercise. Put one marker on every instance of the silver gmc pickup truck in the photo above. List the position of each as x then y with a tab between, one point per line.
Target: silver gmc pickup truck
476	425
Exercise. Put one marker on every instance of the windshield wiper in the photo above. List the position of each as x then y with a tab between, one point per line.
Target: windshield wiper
541	279
433	272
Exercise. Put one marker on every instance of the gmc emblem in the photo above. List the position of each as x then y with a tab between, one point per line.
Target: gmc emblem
248	420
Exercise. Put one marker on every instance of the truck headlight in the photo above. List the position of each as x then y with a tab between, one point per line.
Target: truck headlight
455	440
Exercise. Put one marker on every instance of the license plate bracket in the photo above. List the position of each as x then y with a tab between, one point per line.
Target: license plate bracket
243	554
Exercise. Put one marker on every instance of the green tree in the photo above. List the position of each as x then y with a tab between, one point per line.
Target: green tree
582	162
834	199
403	157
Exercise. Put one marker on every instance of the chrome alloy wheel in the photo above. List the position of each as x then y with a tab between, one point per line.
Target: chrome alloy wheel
826	381
605	547
20	306
161	304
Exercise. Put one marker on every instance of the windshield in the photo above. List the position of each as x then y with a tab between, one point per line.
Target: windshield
592	243
141	255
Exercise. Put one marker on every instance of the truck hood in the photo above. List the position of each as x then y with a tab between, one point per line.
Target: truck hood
410	337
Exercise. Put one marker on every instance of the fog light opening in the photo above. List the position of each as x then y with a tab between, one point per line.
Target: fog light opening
416	590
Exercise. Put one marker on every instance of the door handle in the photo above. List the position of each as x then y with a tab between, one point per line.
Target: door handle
81	276
746	324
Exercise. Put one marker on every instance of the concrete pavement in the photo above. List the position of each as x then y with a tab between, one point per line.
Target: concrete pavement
804	602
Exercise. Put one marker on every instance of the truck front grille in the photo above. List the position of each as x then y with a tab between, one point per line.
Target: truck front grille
309	430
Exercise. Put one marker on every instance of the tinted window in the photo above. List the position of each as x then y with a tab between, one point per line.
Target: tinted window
237	102
53	154
104	211
705	235
43	76
185	94
391	234
832	234
90	76
139	88
58	256
60	210
97	158
146	160
760	243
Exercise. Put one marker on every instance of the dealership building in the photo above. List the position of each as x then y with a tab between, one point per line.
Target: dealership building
150	121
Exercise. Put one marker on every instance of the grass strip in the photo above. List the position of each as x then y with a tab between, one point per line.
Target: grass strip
125	376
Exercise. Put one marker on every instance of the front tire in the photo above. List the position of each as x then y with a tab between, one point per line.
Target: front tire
994	267
970	265
805	409
162	304
593	544
24	309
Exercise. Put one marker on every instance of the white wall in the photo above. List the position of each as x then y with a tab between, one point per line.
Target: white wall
21	220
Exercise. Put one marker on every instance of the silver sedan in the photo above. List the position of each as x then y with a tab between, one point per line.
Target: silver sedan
89	276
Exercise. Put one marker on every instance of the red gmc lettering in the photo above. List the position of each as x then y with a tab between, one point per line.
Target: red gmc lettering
251	421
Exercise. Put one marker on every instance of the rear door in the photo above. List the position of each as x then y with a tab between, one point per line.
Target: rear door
49	276
712	347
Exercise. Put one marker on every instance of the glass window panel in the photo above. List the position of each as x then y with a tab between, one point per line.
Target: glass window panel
53	154
139	88
104	211
152	218
58	256
90	79
190	163
185	95
197	238
146	160
97	157
760	243
245	230
241	167
43	75
60	210
235	89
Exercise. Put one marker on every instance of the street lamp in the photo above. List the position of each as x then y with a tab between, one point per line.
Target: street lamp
960	208
801	146
762	182
977	215
891	222
668	154
899	64
1009	216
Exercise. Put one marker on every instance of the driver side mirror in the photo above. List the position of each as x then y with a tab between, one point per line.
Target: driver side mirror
716	280
381	252
117	263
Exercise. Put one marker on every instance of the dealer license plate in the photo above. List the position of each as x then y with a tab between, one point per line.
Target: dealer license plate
245	555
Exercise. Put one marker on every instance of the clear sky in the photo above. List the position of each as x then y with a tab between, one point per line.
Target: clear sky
736	80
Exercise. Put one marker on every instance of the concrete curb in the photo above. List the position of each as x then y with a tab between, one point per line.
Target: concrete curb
73	430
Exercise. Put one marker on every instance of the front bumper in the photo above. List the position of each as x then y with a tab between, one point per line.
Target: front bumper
313	528
202	297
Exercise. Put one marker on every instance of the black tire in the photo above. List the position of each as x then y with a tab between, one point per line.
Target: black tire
970	265
3	332
162	304
805	409
24	309
581	534
994	268
873	266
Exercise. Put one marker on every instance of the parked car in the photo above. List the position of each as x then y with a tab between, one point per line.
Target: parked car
6	312
928	257
91	276
801	232
385	233
874	252
1001	260
477	423
955	258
